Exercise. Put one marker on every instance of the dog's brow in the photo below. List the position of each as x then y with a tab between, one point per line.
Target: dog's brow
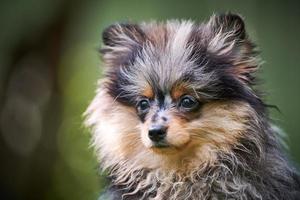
178	90
148	92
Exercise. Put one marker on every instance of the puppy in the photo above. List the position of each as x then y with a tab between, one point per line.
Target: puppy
176	115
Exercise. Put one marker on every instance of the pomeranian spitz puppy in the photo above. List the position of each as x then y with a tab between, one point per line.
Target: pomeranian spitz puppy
177	115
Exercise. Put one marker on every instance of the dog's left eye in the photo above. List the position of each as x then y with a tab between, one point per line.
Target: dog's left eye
143	105
188	102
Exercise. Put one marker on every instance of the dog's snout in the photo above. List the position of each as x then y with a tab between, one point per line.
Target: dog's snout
157	133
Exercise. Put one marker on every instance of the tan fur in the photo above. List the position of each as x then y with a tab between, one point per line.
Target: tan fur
222	123
178	90
148	92
119	133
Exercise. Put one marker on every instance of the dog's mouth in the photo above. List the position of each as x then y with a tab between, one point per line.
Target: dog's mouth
160	145
162	148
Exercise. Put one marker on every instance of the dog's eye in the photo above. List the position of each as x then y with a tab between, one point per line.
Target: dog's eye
188	102
143	105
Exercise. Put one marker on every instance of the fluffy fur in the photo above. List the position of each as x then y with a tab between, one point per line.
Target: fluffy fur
224	149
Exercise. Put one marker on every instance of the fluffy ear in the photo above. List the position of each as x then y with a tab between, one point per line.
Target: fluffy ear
122	42
228	40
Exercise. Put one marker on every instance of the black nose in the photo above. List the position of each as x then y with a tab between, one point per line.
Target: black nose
157	133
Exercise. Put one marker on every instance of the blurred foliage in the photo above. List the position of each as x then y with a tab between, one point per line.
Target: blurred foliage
72	170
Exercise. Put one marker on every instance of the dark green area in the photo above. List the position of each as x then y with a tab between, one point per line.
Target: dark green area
73	171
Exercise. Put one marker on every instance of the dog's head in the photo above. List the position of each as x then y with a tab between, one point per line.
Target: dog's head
174	91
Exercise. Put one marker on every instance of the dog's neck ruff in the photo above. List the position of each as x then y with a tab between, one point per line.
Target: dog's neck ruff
204	181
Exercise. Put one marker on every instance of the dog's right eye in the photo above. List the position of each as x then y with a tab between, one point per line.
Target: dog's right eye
188	103
143	105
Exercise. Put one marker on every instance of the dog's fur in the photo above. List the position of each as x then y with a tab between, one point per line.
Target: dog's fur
224	149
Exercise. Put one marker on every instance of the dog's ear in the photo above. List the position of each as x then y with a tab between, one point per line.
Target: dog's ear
122	42
228	40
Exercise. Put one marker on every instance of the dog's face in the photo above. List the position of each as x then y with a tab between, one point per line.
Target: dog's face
174	91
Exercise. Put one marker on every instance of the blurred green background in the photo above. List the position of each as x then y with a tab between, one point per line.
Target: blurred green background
49	66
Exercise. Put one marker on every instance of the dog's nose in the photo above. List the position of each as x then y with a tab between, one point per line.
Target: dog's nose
157	133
